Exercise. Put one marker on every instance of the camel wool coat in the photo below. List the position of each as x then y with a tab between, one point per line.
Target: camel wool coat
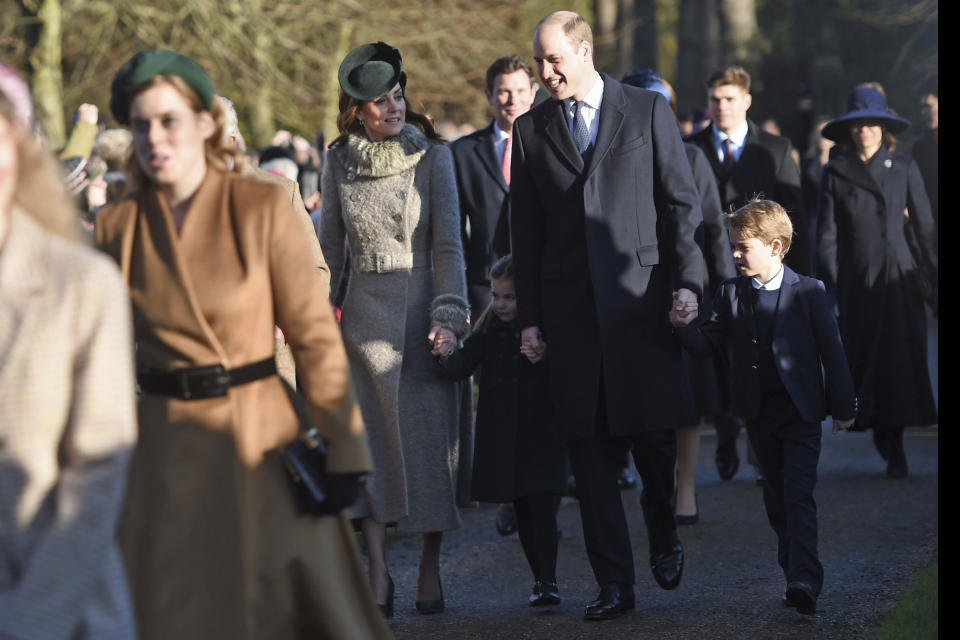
213	545
394	203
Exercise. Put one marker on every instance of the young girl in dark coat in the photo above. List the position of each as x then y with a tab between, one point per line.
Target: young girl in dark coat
518	455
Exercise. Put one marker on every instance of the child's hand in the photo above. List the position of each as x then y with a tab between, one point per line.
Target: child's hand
841	425
442	342
536	353
682	313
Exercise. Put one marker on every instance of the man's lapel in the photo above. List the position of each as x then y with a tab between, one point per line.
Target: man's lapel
610	119
558	135
486	150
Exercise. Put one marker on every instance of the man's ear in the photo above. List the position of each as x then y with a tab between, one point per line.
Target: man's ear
748	99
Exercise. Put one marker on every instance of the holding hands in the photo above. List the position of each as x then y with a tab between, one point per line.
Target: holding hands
532	344
684	309
842	425
442	342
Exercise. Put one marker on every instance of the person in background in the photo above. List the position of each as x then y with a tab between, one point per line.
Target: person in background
67	403
811	170
926	150
878	253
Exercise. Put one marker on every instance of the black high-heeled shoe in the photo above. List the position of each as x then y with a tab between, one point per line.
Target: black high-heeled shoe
683	521
387	609
432	606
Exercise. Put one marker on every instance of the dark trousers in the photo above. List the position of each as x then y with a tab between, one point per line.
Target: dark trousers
788	450
595	463
537	528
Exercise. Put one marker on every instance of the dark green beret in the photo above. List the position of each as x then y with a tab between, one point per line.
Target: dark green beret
371	70
147	64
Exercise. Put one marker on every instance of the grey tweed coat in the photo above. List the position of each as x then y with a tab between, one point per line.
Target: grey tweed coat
394	204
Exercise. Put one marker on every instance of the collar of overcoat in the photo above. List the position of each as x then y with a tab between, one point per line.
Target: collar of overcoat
612	111
153	222
852	168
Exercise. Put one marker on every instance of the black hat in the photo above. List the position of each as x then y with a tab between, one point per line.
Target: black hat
371	70
864	103
646	79
147	64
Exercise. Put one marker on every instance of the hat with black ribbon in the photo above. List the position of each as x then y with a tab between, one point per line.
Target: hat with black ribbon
148	64
371	70
864	103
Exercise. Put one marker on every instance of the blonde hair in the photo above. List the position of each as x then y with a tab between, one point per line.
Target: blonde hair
220	152
734	74
40	192
574	26
764	220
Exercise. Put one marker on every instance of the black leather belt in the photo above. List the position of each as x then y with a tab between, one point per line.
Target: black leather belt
194	383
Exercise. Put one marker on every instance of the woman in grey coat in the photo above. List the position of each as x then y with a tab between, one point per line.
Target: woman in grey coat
390	198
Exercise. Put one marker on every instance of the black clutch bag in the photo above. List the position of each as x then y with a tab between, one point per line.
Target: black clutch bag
315	492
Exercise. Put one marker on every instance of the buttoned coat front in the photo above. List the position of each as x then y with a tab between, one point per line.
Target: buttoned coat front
213	545
598	248
394	204
877	244
67	428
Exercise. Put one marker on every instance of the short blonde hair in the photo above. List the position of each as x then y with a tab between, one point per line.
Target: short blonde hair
764	220
574	26
734	74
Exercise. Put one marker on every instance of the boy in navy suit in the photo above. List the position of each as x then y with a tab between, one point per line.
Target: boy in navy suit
776	328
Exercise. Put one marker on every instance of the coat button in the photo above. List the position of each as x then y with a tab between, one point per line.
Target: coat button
357	218
354	197
754	366
365	239
401	194
755	340
399	237
351	176
397	217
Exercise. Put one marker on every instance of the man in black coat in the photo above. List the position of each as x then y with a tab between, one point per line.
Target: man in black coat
748	162
482	163
603	215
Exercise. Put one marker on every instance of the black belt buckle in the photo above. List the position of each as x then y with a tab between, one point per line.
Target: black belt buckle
195	383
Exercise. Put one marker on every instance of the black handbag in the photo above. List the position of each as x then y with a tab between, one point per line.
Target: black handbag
315	492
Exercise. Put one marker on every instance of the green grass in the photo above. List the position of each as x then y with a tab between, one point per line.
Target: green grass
917	614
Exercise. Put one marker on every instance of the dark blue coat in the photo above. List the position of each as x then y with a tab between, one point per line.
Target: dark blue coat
517	449
878	245
599	247
805	336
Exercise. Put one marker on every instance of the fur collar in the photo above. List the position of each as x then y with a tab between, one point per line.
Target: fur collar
385	158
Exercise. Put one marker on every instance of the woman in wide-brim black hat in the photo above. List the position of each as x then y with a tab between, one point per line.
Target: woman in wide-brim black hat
878	251
390	197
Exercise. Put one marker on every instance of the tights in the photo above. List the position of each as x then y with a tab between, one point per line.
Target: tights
537	527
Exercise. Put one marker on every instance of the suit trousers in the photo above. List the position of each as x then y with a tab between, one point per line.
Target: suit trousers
595	463
788	450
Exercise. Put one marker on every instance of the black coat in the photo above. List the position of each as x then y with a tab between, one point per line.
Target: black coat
873	255
805	337
484	204
599	248
517	449
766	167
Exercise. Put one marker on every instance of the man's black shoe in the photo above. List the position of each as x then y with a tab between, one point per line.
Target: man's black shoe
667	567
800	596
728	462
612	601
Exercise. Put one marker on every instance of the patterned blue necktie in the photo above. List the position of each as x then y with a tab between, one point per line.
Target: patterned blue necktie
581	136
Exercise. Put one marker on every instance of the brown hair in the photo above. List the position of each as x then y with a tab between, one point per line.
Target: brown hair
39	175
501	270
734	74
764	220
507	65
220	151
348	122
575	27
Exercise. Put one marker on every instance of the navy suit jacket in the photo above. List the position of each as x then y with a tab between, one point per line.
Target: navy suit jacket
598	246
484	203
805	336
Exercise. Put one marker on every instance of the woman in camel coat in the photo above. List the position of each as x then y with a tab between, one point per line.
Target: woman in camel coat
214	259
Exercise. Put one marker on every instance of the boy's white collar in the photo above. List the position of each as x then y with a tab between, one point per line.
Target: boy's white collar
772	284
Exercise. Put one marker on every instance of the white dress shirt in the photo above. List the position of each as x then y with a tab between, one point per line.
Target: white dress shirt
588	110
771	285
737	137
499	141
